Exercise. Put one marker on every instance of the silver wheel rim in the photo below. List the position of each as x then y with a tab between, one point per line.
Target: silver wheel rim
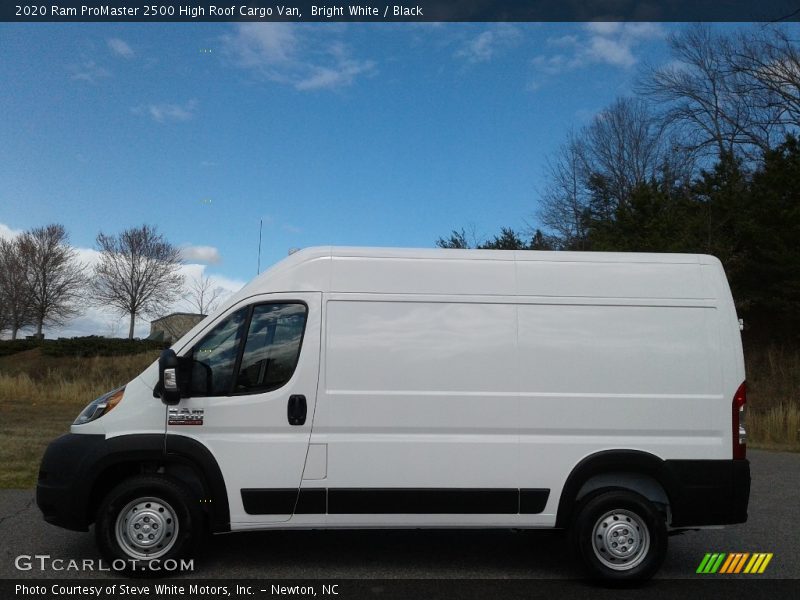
620	540
146	528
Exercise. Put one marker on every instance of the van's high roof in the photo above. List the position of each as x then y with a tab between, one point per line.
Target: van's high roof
435	271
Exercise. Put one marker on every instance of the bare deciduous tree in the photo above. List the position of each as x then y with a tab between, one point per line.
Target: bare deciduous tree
624	146
563	203
708	98
15	298
768	63
56	280
137	273
202	295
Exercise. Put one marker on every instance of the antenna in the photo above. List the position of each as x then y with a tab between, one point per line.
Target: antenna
260	224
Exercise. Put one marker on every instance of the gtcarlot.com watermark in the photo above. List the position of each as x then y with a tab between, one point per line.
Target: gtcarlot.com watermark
44	562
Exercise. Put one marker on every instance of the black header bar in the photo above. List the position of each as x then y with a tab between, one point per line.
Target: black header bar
398	10
105	588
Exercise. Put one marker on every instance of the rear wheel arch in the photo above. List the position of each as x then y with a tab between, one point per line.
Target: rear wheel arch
633	470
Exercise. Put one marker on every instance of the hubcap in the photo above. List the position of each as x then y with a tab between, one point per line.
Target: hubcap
620	539
146	528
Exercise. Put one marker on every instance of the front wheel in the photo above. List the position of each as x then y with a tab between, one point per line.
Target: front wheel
621	537
146	521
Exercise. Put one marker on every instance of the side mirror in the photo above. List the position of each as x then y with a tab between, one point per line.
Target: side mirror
168	379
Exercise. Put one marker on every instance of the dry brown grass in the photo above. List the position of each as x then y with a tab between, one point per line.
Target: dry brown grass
776	428
773	397
40	397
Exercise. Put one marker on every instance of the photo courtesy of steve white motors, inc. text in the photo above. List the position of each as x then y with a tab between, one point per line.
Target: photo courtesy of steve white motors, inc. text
170	589
212	10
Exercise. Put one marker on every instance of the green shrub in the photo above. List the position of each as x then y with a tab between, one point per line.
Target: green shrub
13	346
99	346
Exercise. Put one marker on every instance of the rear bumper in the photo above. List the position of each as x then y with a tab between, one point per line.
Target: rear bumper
707	492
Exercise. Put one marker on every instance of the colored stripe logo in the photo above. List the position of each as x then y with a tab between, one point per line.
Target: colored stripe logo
734	562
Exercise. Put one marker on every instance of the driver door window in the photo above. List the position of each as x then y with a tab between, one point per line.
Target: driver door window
267	359
272	348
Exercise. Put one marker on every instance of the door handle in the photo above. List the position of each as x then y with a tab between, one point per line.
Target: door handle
296	409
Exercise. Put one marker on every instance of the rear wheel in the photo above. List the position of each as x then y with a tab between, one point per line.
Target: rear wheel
145	519
620	536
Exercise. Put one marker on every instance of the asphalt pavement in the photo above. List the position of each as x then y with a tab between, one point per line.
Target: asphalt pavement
773	526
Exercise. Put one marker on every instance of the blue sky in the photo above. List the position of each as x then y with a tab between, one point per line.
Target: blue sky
350	134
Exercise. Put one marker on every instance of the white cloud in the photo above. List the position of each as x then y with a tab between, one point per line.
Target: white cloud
88	256
7	233
487	44
203	254
611	51
259	44
88	71
162	113
555	64
286	54
613	44
225	286
120	47
604	28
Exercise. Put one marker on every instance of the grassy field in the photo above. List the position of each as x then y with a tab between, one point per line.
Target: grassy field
40	396
773	397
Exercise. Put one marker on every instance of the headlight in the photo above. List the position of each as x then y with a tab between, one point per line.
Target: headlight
97	408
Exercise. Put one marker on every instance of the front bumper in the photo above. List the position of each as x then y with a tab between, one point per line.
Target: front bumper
64	485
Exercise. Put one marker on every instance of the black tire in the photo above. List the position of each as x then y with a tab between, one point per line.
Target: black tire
158	508
631	522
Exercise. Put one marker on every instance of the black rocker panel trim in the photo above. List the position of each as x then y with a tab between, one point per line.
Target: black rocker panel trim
533	501
312	502
272	502
373	501
362	501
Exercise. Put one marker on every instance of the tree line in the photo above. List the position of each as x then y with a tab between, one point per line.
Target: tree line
43	282
703	158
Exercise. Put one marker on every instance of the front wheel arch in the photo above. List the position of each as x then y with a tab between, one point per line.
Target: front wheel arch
180	456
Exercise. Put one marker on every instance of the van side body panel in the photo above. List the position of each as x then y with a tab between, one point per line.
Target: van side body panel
453	388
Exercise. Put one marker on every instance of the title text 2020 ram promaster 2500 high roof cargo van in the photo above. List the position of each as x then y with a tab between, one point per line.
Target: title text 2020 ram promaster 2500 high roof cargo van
350	387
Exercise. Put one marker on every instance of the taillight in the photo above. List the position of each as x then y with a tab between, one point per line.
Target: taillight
739	432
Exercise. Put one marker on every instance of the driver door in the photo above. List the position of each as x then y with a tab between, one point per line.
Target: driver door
253	392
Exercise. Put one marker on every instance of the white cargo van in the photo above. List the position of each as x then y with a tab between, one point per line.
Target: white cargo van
361	387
